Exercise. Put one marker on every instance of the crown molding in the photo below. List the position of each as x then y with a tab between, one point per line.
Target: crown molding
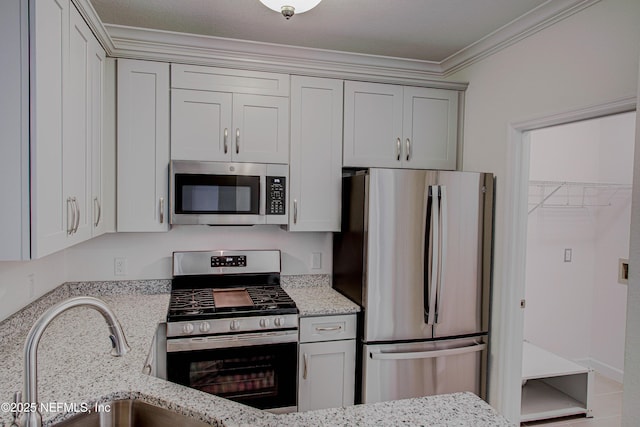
156	45
166	46
95	24
543	16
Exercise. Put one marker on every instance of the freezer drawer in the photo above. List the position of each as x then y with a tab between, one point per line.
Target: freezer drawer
400	371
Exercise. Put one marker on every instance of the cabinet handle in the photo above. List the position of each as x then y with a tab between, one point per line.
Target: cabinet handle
328	328
161	210
237	140
226	137
71	223
306	364
398	149
78	218
96	202
408	148
295	211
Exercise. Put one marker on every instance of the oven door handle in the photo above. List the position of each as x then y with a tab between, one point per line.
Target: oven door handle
226	341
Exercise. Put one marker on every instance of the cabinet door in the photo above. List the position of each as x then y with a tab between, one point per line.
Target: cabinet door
326	375
77	127
260	129
200	125
372	125
430	124
49	221
14	131
98	149
143	146
315	167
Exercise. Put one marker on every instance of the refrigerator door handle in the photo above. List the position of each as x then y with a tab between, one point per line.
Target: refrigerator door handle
381	355
431	254
442	243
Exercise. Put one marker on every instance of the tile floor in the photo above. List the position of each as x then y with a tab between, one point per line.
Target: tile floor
607	408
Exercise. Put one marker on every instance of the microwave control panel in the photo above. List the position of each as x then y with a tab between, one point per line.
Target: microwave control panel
276	195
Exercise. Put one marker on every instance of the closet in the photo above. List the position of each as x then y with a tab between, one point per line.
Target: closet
577	249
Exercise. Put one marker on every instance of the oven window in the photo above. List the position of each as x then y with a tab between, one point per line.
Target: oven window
262	376
217	194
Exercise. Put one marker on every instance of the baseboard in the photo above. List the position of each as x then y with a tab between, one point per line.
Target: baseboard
602	368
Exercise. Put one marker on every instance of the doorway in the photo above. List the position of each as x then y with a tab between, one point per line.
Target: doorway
579	215
508	338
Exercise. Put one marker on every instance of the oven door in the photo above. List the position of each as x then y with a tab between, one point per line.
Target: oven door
256	369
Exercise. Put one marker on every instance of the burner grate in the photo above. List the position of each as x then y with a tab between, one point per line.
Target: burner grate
192	302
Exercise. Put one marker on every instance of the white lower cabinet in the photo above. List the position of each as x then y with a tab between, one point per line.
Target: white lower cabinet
326	362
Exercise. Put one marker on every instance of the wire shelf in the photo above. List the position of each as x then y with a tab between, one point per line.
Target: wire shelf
566	194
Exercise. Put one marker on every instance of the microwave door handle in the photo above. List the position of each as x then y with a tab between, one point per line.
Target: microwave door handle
263	195
442	262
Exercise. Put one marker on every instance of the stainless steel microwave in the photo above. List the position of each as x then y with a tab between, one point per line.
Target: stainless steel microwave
222	193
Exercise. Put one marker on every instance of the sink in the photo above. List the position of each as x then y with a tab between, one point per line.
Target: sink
132	413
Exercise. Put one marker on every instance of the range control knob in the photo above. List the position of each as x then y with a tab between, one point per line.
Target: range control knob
187	328
264	323
204	327
235	325
279	321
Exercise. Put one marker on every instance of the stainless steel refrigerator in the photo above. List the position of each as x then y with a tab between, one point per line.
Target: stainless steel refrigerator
414	252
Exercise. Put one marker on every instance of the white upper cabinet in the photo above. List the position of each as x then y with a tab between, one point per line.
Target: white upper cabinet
54	141
229	115
315	167
77	127
64	71
51	207
143	146
14	130
430	128
372	125
103	173
201	125
399	126
260	129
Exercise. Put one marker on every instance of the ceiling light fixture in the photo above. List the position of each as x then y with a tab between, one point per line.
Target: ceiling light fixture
289	7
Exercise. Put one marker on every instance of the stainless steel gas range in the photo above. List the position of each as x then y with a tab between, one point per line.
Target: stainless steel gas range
231	329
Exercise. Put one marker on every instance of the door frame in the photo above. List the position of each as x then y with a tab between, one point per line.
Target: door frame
510	331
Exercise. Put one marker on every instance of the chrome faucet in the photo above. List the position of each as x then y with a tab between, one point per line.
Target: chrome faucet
33	418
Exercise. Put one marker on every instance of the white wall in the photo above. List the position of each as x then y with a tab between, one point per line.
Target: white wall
149	257
631	395
577	309
588	59
149	254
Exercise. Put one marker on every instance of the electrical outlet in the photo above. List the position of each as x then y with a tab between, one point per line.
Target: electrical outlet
316	260
567	255
120	266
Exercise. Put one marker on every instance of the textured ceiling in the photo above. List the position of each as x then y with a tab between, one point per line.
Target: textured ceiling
430	30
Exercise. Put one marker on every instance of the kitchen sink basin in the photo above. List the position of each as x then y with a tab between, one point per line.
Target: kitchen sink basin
132	413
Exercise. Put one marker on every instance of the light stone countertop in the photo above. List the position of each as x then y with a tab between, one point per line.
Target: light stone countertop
74	365
314	296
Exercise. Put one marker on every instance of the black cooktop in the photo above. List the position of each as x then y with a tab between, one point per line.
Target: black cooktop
192	297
